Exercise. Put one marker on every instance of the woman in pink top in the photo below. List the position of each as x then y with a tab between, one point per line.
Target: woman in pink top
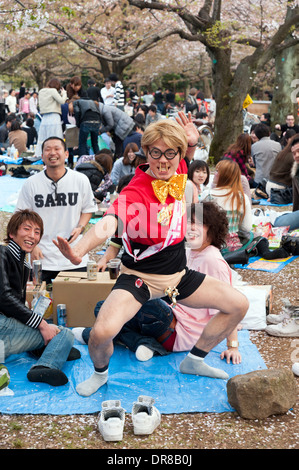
205	237
159	328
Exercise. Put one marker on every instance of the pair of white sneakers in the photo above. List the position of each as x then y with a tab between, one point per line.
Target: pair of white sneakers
145	417
285	324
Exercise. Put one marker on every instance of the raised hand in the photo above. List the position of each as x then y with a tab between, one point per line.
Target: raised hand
191	131
67	251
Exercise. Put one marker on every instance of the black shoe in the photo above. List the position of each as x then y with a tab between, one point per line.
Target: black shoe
236	257
73	354
279	253
54	377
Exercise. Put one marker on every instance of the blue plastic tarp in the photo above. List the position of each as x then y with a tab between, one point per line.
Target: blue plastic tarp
9	190
128	378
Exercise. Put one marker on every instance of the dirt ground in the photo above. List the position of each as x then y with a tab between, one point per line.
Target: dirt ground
184	432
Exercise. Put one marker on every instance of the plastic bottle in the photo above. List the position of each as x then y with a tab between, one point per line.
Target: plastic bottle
12	151
107	199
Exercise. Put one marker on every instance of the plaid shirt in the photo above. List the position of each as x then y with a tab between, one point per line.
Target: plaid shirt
239	158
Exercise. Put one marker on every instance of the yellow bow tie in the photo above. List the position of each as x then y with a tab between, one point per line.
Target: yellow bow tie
175	187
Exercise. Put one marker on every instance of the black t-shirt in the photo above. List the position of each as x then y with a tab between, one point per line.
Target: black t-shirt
285	127
94	93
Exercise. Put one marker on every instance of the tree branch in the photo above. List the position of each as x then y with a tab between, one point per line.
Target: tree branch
198	22
249	42
17	58
146	44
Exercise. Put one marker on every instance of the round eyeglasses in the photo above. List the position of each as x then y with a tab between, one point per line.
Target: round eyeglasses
156	153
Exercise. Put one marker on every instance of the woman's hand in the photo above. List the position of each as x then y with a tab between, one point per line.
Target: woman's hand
231	354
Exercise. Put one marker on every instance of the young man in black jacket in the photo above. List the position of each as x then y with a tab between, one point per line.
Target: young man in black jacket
21	329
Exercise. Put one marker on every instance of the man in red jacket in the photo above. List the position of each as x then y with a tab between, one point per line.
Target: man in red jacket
150	216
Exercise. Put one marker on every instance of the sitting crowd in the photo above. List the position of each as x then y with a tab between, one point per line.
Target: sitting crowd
200	308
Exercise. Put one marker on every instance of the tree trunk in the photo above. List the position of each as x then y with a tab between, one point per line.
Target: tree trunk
286	71
230	92
105	69
115	67
206	87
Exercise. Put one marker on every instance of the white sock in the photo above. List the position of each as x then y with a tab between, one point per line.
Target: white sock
143	353
195	365
92	384
77	332
197	358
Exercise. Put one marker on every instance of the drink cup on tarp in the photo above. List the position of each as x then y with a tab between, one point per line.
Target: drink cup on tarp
114	267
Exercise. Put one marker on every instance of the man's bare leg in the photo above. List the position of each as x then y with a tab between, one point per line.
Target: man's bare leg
119	307
232	306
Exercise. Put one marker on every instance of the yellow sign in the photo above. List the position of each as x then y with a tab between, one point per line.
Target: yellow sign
247	102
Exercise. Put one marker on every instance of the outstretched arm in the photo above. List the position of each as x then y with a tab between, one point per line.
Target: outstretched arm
96	236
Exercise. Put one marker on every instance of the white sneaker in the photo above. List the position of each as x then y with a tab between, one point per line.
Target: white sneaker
295	368
145	416
288	311
112	420
288	328
274	318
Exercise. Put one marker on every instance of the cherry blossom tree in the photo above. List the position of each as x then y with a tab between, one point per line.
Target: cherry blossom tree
220	27
22	24
240	38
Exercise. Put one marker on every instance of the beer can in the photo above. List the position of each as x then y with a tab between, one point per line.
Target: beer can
37	272
61	314
92	269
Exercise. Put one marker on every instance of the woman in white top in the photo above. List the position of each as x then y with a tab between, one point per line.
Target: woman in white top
229	195
50	100
125	165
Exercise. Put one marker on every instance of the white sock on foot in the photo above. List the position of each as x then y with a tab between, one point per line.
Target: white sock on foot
143	353
195	365
77	332
92	384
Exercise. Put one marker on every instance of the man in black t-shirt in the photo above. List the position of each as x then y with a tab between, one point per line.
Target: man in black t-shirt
289	124
93	92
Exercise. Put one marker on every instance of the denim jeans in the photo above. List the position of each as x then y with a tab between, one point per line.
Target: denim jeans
291	219
87	128
18	338
150	322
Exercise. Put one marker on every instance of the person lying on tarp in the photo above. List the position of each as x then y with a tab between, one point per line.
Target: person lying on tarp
158	328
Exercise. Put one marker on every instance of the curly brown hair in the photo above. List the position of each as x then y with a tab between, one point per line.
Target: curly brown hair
211	215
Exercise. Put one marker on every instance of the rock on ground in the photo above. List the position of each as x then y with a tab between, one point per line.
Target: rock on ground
262	393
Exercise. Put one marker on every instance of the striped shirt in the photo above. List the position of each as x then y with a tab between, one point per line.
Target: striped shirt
119	95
